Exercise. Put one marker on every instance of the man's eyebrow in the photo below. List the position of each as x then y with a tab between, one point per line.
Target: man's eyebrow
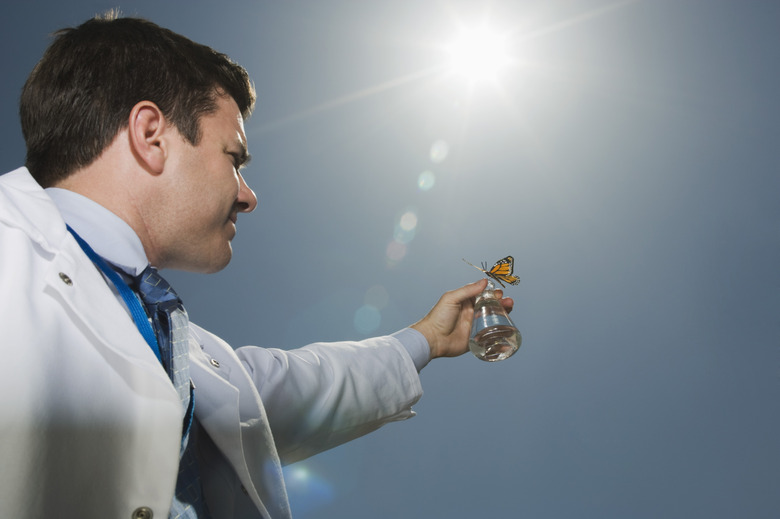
245	157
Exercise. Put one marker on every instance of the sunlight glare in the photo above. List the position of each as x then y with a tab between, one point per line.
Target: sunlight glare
478	53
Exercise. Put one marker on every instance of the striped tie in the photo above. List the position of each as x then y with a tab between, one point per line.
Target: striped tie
171	326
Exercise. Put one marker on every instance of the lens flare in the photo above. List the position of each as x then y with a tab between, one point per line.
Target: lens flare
306	490
408	221
377	297
402	236
426	181
405	228
439	151
395	252
367	319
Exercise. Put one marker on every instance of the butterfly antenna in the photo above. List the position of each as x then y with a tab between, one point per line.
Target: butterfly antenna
476	267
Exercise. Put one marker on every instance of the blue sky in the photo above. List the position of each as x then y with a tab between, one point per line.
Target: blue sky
629	159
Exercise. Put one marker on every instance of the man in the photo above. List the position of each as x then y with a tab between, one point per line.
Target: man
114	405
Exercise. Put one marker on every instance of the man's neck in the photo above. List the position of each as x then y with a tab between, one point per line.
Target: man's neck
108	234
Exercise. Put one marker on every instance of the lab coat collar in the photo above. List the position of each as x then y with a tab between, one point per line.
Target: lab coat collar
72	278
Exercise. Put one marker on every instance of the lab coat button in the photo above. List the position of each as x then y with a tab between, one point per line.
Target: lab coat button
142	512
215	363
66	279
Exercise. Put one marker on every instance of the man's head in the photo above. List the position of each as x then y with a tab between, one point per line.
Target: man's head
81	93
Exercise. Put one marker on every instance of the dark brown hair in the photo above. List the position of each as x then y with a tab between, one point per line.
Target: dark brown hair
79	96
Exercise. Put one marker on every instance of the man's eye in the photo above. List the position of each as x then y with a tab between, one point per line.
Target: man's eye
239	159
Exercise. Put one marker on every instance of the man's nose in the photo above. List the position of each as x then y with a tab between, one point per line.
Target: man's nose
247	200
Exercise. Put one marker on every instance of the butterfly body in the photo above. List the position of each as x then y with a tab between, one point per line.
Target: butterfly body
501	271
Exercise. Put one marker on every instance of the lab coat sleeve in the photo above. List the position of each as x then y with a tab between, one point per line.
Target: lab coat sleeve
324	394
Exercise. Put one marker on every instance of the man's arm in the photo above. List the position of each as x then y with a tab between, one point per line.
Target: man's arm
325	394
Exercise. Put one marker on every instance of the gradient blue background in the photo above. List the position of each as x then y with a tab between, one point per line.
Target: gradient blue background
630	161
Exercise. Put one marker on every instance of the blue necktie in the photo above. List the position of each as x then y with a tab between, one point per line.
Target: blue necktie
170	323
171	326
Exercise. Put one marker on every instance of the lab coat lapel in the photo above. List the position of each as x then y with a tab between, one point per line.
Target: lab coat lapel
235	421
84	292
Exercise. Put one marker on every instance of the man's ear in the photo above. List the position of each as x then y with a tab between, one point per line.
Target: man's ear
149	131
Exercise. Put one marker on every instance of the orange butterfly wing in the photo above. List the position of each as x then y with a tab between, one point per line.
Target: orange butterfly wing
502	271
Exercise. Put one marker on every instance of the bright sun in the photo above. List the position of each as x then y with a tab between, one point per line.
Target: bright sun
478	54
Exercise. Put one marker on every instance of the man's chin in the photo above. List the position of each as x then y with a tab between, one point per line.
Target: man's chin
207	264
222	262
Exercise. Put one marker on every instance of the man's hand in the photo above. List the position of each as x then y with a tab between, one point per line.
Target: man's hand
448	325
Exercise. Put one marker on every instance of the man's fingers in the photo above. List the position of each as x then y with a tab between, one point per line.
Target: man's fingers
508	303
459	295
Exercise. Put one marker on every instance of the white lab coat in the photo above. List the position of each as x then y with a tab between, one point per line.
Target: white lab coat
90	424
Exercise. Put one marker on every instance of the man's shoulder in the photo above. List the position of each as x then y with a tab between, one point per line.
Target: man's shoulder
25	206
16	187
18	181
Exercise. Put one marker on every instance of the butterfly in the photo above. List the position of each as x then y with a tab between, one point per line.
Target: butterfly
501	271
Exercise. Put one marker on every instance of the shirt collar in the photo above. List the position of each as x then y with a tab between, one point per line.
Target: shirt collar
108	235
